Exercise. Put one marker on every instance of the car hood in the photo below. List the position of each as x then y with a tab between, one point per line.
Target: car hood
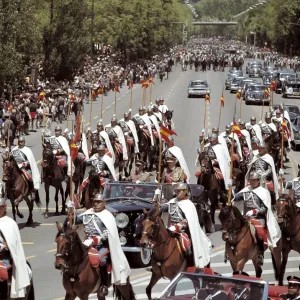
128	204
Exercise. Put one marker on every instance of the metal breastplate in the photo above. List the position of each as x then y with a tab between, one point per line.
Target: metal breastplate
55	145
89	226
266	129
251	201
260	165
211	153
18	156
176	214
296	188
99	164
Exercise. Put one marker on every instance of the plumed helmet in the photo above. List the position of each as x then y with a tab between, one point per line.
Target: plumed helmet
99	124
241	122
2	201
98	197
255	140
278	112
161	98
114	119
214	137
261	145
268	115
141	108
255	175
181	186
228	127
101	147
58	128
21	139
126	115
215	129
170	157
252	119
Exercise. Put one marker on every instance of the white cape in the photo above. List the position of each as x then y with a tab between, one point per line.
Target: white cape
246	134
132	127
20	277
84	145
117	129
176	151
201	243
257	131
153	119
65	145
36	177
287	117
158	115
147	121
120	266
223	163
107	142
163	108
269	160
222	140
274	232
110	164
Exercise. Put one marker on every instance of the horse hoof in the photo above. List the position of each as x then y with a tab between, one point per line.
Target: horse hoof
63	212
20	215
29	222
56	213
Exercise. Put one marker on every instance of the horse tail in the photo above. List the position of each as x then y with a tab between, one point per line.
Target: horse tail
37	199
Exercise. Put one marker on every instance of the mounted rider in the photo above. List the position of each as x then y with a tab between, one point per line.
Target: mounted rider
120	139
103	165
294	187
60	148
157	113
293	289
254	150
102	235
26	162
264	164
162	106
103	137
180	217
12	255
140	175
245	140
177	169
254	201
254	129
144	118
132	131
154	123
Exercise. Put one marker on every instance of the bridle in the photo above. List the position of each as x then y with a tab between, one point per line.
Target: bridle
67	253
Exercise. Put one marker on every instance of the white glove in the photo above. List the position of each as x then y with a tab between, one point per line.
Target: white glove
20	165
249	213
157	192
298	204
172	228
54	152
66	130
281	172
229	182
138	181
70	204
89	129
88	242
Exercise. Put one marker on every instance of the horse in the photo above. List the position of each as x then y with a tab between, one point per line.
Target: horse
80	278
53	175
289	222
18	188
167	259
241	246
168	118
210	182
5	288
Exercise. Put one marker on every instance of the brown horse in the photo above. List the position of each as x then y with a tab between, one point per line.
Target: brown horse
18	188
210	183
167	258
5	289
80	278
240	245
289	222
53	176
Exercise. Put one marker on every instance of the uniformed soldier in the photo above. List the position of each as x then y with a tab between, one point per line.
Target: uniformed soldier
140	175
172	173
293	289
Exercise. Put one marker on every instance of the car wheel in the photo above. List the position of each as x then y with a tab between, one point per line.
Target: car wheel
189	96
246	102
284	95
140	259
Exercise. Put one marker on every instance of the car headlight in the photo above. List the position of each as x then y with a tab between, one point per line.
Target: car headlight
123	240
290	90
122	220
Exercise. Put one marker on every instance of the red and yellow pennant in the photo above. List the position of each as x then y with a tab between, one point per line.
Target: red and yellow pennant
238	95
73	149
131	84
9	107
266	93
273	86
117	88
42	95
222	100
94	94
72	97
144	83
236	129
99	91
150	80
285	128
207	98
166	133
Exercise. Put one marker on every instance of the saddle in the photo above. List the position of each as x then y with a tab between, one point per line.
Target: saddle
4	276
146	132
26	175
258	230
129	140
94	258
60	161
118	148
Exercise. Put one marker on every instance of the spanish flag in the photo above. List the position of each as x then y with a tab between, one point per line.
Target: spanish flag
238	95
266	92
99	91
73	149
166	133
144	83
131	84
236	129
207	98
222	100
72	97
93	94
285	128
150	80
273	85
117	88
9	107
42	95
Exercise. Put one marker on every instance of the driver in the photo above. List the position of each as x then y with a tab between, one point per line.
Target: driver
293	289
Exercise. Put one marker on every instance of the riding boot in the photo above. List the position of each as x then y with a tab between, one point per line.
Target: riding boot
66	174
189	257
260	258
42	176
103	289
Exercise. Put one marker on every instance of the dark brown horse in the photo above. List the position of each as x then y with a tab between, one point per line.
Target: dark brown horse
80	279
54	176
167	258
210	183
5	289
18	188
289	222
168	118
241	246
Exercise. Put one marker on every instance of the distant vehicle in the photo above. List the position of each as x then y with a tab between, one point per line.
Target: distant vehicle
293	110
198	88
280	77
296	131
236	84
291	89
252	63
231	76
256	94
255	70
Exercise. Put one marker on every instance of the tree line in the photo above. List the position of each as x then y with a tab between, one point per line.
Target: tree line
56	35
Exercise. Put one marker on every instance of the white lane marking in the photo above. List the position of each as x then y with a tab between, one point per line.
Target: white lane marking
95	117
108	107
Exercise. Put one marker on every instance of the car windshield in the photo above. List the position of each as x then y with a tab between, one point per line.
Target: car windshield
256	66
129	190
257	87
198	84
288	76
199	286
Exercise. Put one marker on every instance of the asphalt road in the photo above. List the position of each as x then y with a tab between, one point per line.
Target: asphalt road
39	241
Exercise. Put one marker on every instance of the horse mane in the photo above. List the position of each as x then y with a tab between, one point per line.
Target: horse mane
226	213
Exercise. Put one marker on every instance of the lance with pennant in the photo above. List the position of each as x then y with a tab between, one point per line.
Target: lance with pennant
221	106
